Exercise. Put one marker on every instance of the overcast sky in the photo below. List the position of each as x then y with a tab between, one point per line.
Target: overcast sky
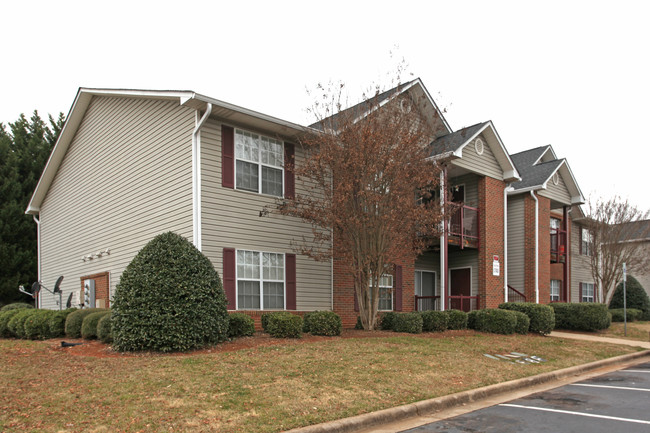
572	74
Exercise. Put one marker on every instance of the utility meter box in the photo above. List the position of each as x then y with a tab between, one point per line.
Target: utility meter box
89	294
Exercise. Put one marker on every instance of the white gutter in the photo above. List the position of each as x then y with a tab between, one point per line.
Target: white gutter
38	254
532	194
196	176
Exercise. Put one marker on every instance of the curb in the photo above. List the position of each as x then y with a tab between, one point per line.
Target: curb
426	407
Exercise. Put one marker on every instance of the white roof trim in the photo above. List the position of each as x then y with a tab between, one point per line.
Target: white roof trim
548	147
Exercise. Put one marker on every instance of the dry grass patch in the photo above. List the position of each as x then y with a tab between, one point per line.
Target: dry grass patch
261	389
639	331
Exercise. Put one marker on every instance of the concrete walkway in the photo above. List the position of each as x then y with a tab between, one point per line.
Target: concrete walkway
589	337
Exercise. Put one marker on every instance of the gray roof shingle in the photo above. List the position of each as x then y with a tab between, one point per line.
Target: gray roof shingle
451	142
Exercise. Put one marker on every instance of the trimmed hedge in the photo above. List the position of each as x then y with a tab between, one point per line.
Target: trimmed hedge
169	299
523	322
16	324
636	297
542	317
408	322
387	320
632	314
5	317
57	322
456	319
16	306
496	321
89	324
581	317
74	321
434	321
104	331
326	323
36	326
283	324
471	319
240	325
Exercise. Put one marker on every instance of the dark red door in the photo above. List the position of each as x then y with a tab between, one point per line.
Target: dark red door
461	286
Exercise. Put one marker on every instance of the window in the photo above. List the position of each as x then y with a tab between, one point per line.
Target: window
260	280
587	292
425	283
586	242
385	293
555	225
259	163
555	290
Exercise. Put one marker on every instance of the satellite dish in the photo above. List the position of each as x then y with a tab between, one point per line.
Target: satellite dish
36	287
69	303
57	285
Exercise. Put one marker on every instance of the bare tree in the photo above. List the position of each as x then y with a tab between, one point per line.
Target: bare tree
617	230
367	186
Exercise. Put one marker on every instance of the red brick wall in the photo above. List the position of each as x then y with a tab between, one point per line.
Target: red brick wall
544	249
491	234
101	288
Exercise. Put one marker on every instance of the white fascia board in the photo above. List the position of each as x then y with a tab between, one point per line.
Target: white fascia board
459	152
548	147
441	156
577	194
428	95
505	153
528	188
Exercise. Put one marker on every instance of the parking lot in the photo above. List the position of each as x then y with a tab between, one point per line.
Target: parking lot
617	401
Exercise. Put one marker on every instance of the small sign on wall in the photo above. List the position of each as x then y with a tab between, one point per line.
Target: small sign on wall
496	268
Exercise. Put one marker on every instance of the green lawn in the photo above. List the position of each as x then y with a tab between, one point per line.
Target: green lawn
260	389
639	331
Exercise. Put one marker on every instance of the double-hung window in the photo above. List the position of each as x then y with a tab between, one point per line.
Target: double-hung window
586	242
385	293
555	290
587	292
260	280
259	163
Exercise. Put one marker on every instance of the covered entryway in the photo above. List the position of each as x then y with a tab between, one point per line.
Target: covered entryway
460	283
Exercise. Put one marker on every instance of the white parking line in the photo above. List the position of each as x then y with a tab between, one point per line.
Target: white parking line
590	415
610	387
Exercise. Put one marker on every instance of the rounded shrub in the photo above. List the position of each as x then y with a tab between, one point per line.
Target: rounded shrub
542	317
408	322
240	325
326	323
636	297
75	319
104	332
359	324
387	320
5	317
16	306
89	324
632	314
37	325
434	321
523	323
57	322
456	319
581	317
471	319
496	321
16	324
283	324
169	299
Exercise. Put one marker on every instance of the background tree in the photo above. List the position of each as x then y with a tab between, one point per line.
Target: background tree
615	239
24	149
366	184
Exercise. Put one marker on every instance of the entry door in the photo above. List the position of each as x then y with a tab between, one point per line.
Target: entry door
460	284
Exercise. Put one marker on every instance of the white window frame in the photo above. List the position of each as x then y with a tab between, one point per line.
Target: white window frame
384	287
259	162
558	284
261	279
584	298
587	242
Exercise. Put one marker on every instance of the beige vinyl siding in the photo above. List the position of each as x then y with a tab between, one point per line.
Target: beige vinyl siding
231	218
516	242
485	164
467	258
125	178
580	264
471	188
558	192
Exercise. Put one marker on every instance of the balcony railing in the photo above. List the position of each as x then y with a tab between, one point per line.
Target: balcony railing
464	303
427	303
463	227
515	295
558	246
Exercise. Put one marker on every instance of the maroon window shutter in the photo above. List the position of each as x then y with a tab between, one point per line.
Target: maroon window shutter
291	281
229	279
356	301
289	176
398	288
580	293
227	156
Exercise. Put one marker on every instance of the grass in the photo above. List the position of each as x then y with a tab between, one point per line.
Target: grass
639	331
263	389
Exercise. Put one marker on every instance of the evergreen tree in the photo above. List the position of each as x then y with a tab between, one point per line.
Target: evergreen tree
24	149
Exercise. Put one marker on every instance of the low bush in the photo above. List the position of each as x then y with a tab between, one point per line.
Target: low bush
89	324
57	322
358	325
632	314
471	319
240	325
523	323
5	317
74	321
283	324
496	321
326	323
36	326
581	317
434	321
265	321
456	319
408	322
104	330
16	306
16	324
305	322
542	317
635	297
387	320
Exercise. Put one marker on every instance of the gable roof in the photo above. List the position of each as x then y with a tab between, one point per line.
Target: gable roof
186	98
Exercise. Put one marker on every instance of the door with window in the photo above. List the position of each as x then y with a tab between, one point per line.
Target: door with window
426	296
460	286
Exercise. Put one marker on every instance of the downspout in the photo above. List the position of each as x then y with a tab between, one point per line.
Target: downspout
38	255
505	242
443	242
532	194
196	176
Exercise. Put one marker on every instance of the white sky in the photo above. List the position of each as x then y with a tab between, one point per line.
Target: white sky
573	74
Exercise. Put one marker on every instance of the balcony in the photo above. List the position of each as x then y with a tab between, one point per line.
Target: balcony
463	228
558	246
427	303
